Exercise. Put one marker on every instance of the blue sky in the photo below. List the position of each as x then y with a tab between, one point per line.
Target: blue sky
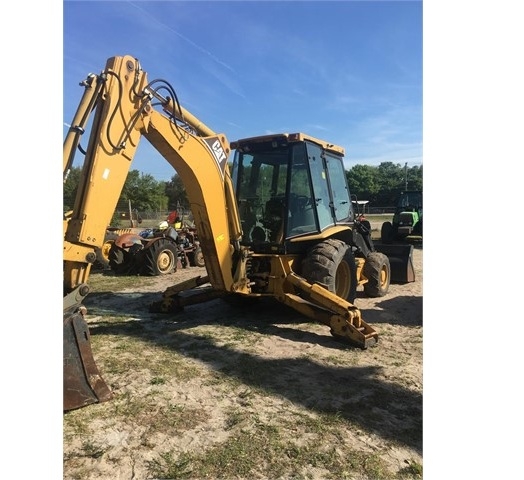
346	71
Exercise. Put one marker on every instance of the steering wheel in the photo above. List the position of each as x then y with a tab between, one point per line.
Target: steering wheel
299	202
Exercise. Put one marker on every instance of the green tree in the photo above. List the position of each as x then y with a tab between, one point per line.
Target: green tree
363	181
391	176
415	178
70	187
382	184
176	193
144	192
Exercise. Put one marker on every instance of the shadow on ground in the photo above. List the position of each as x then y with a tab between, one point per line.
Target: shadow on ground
355	393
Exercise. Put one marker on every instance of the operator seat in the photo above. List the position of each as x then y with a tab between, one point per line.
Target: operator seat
274	215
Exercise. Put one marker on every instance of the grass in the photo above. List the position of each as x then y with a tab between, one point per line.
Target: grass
382	217
108	281
256	447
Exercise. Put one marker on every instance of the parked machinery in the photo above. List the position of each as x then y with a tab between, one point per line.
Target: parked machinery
155	251
280	225
407	219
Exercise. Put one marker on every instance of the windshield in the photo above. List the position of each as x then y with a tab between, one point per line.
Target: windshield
290	189
410	199
261	179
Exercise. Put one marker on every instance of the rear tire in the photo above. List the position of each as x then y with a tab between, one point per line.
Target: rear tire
378	272
331	263
160	258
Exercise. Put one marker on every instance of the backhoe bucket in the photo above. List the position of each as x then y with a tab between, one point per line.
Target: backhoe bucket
83	383
401	261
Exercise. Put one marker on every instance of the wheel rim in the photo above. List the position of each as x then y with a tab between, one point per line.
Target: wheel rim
383	278
106	247
343	280
199	258
165	261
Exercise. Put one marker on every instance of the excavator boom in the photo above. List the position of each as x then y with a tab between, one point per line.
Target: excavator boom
121	98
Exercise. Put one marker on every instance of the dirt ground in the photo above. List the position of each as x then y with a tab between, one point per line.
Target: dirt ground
310	365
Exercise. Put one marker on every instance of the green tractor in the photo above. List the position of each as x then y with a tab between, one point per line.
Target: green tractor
407	219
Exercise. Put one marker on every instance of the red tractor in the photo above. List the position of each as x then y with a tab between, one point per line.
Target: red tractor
157	251
153	251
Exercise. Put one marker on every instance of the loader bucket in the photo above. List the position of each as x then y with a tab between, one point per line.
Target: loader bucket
401	261
83	383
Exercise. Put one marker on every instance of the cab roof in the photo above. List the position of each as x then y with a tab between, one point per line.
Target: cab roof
287	138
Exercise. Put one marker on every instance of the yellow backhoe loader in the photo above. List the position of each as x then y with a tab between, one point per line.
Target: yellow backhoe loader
279	223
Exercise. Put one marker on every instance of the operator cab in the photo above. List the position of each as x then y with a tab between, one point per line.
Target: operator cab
288	186
410	201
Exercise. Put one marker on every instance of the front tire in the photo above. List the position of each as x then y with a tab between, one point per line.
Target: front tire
160	258
117	260
331	263
378	272
418	229
102	253
197	258
386	232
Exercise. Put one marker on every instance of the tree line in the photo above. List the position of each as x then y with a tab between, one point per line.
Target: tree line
380	185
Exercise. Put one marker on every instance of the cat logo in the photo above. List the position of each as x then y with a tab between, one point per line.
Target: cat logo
218	151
